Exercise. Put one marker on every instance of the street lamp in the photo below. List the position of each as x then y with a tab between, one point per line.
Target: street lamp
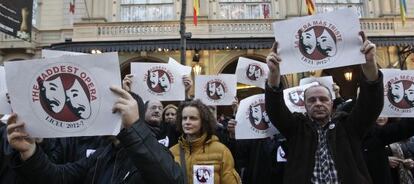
348	76
197	69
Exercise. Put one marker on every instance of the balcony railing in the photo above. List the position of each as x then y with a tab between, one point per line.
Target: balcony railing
8	41
114	31
216	29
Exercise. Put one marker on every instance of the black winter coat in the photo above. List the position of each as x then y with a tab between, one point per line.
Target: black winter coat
344	135
374	143
139	159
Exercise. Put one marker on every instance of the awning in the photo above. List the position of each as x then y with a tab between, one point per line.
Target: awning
199	44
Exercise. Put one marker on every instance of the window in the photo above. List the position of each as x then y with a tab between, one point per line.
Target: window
34	12
323	6
245	9
146	10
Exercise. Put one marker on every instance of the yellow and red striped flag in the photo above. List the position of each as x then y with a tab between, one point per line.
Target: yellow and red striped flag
196	7
403	11
311	7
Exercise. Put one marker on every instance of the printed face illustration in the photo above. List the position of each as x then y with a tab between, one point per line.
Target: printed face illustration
154	78
78	100
165	82
211	88
256	113
220	91
294	97
326	44
252	69
55	94
257	73
397	91
266	117
308	39
409	94
203	175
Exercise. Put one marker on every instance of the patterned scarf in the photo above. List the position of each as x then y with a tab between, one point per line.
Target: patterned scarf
405	174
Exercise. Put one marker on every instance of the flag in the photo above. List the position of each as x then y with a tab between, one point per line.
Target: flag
196	7
403	10
72	6
311	7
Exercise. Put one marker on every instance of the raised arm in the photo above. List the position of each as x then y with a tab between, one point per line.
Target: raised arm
33	164
371	97
279	114
153	159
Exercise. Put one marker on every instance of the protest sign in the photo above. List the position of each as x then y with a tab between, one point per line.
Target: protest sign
216	89
251	72
65	96
252	119
319	41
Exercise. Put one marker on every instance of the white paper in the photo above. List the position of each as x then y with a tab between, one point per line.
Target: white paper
251	72
216	89
398	93
75	99
320	41
57	53
5	107
294	99
157	81
184	70
326	81
4	118
281	155
252	119
203	174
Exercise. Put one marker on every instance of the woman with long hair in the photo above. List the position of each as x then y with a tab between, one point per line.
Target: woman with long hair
203	158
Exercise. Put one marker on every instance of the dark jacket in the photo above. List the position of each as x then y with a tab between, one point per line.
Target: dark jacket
71	149
139	159
7	174
374	144
257	158
344	135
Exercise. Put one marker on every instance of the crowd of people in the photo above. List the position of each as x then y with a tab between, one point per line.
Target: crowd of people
333	142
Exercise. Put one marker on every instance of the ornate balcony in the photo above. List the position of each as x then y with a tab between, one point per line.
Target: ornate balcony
8	41
215	29
206	29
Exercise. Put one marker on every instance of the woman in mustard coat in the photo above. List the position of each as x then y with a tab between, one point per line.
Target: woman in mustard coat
204	158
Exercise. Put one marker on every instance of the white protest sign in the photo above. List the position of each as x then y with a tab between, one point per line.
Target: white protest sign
57	53
5	107
157	81
184	70
252	119
65	96
216	89
319	41
294	98
326	81
398	93
251	72
203	174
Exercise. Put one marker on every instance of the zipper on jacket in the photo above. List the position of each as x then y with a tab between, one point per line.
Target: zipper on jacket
96	166
113	172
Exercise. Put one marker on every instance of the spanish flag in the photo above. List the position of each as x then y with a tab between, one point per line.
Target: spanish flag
196	7
311	7
403	10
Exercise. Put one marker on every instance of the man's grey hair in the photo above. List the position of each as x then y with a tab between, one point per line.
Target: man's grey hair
319	85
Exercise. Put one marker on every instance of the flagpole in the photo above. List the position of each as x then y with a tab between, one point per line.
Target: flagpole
183	41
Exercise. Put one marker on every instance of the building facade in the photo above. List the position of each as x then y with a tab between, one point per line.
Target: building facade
148	31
